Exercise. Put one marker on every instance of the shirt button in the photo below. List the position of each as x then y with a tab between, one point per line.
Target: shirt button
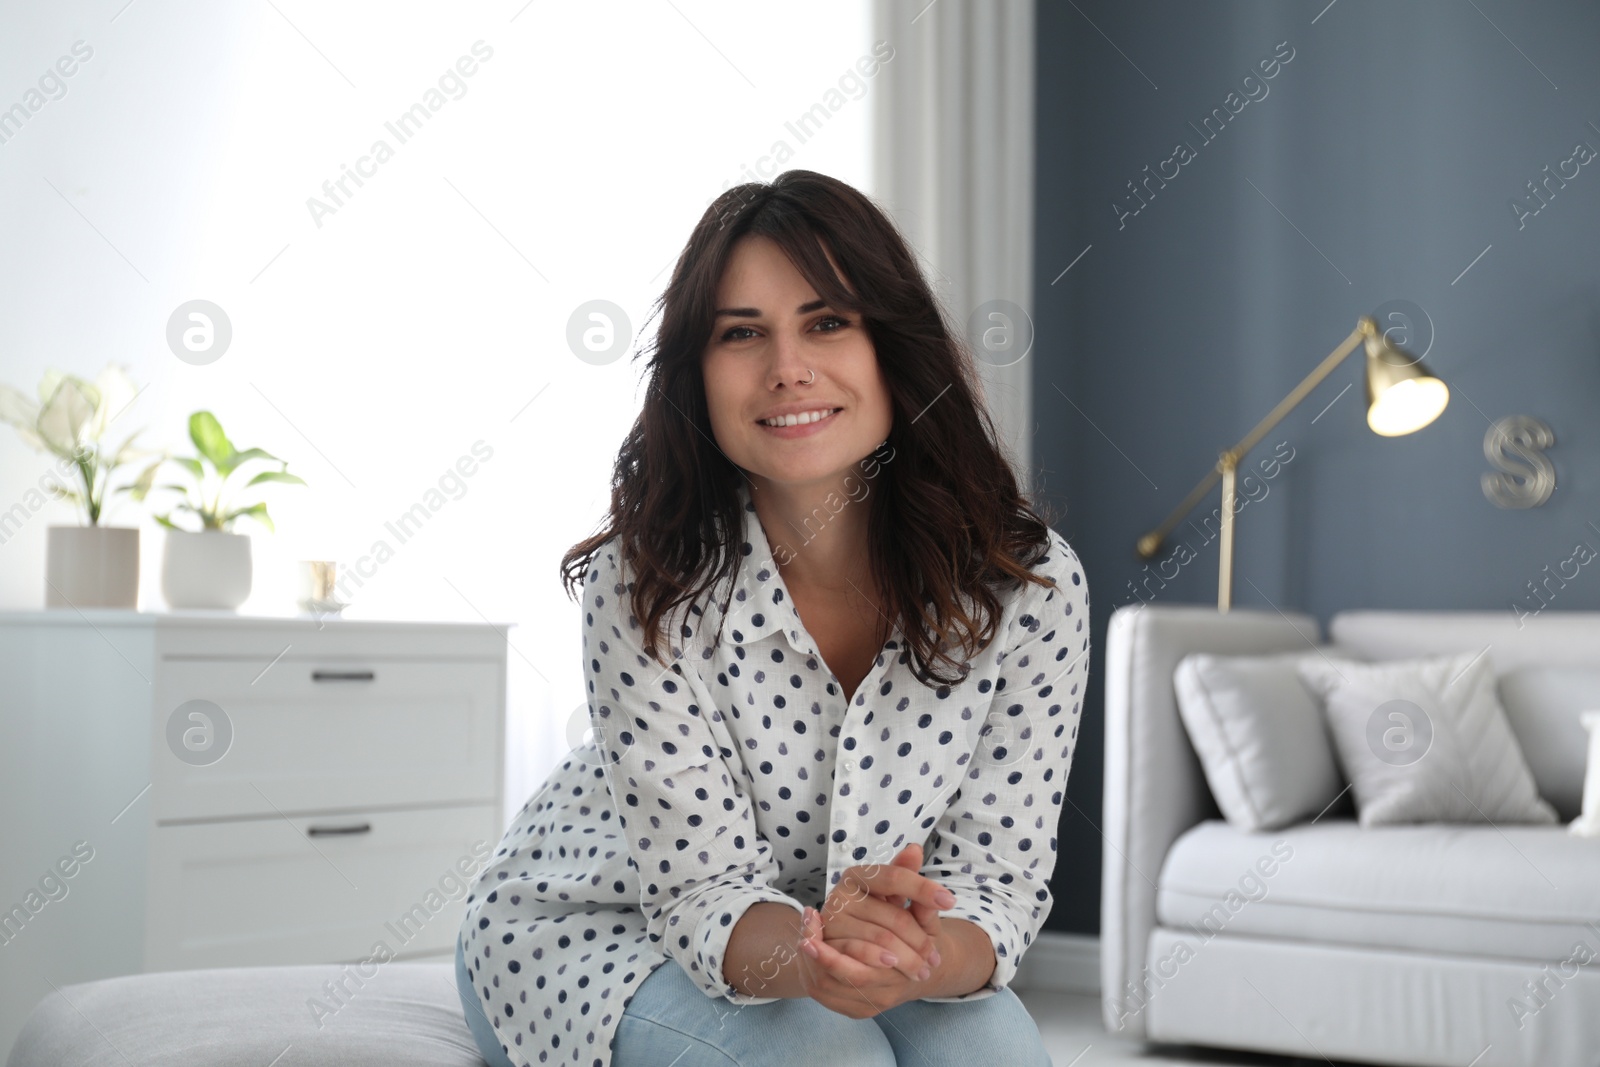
849	764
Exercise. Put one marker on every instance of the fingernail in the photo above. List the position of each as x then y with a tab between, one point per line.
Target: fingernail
924	973
809	949
933	957
890	959
945	899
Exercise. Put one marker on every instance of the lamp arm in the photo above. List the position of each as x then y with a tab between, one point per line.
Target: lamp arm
1150	544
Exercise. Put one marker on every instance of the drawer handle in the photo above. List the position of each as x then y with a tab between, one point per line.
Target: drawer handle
321	831
342	676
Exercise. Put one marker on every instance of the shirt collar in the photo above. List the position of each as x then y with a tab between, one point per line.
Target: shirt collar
760	603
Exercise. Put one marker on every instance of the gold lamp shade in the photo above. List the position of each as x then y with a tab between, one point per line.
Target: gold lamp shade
1403	396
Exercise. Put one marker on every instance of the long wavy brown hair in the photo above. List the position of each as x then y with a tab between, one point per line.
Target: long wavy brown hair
948	525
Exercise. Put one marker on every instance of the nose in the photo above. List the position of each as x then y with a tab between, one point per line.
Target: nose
788	364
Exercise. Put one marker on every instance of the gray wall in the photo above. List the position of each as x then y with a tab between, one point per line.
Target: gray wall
1390	146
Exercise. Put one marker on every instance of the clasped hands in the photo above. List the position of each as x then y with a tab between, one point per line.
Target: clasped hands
876	941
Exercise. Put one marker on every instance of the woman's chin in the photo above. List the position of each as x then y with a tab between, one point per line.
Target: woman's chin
800	476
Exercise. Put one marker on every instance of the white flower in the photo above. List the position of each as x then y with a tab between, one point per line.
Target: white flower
69	419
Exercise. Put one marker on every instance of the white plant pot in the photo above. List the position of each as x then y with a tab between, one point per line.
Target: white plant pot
210	569
92	567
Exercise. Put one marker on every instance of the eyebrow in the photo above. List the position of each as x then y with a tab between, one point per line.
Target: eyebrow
752	313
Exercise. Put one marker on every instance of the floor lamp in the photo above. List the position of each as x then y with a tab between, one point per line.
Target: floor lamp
1403	396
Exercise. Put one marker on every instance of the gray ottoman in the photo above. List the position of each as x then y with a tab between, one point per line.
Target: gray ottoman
405	1015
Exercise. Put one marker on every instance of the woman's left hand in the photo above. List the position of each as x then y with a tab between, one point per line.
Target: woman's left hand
866	920
845	984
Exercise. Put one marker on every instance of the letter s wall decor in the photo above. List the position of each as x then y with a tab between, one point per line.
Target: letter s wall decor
1515	446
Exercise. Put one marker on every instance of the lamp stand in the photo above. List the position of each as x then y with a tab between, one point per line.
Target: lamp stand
1227	465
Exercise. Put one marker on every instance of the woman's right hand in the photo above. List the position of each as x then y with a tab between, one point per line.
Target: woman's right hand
843	983
867	919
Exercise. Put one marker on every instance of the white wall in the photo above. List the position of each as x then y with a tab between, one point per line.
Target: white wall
425	314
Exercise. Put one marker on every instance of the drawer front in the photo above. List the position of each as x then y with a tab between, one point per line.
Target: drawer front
300	736
316	889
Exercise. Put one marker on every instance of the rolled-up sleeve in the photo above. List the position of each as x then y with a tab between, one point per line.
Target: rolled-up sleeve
994	846
689	827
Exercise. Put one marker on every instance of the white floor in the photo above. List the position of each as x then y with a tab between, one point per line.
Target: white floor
1075	1037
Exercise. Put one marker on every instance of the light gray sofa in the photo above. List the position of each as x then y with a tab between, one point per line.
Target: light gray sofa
1399	944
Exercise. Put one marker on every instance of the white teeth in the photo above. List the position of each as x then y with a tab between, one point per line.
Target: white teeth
796	420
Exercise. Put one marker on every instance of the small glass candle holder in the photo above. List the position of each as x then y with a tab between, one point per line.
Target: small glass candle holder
319	587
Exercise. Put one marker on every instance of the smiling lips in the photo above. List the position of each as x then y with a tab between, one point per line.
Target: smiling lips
800	424
800	418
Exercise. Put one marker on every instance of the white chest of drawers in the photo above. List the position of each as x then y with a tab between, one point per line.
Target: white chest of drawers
200	789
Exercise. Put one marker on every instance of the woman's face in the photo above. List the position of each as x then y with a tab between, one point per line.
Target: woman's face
771	335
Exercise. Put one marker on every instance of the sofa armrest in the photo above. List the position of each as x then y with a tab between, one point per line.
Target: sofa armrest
1154	786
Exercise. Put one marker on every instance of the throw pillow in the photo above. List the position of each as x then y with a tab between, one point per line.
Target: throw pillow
1588	823
1543	703
1260	737
1426	740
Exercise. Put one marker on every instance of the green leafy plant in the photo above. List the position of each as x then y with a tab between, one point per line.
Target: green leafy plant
68	421
208	497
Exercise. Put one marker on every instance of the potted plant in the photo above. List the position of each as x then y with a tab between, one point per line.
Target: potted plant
89	565
211	567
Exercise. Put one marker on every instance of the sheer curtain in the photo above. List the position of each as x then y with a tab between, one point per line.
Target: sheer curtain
953	158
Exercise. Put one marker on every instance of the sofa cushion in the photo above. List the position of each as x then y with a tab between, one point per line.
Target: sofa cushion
404	1015
1553	639
1260	736
1425	740
1543	705
1509	892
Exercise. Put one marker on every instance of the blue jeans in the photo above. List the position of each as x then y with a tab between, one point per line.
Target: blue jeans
671	1021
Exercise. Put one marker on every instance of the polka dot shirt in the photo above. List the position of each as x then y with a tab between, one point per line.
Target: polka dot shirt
739	773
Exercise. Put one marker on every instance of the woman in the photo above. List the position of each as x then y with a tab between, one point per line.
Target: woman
835	667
